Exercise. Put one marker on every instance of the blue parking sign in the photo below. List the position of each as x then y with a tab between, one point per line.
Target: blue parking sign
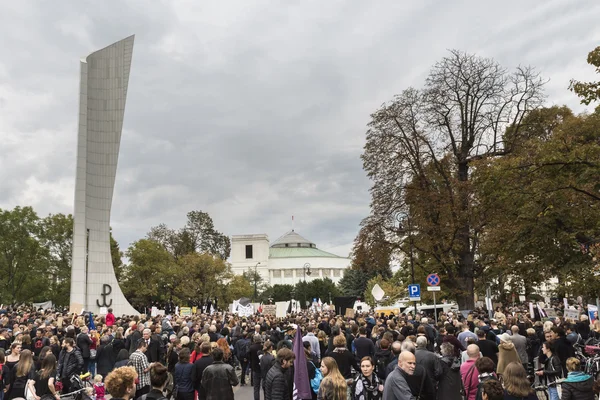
414	292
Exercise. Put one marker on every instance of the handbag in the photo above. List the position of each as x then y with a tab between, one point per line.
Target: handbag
93	353
315	382
29	391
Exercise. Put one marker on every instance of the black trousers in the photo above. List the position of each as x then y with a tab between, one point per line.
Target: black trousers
256	377
245	364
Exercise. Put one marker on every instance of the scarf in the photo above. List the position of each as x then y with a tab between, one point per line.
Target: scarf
366	389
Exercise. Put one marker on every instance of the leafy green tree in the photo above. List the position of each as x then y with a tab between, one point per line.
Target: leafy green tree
316	288
24	262
420	152
589	91
152	274
56	235
237	288
198	235
202	277
543	205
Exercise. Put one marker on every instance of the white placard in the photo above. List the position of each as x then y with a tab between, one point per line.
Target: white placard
377	292
103	311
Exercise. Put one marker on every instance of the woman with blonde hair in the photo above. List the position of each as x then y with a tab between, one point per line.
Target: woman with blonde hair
333	386
516	384
22	376
578	385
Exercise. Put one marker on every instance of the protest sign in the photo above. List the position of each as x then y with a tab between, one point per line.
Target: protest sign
571	314
269	309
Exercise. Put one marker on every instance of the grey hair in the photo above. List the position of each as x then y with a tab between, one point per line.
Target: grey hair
421	342
407	345
447	349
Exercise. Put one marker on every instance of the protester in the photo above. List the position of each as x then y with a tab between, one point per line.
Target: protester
450	380
44	378
578	385
199	366
343	357
158	380
506	353
469	372
22	375
367	385
70	362
333	386
552	370
121	383
15	353
138	360
492	390
276	384
486	369
516	384
219	378
183	376
396	386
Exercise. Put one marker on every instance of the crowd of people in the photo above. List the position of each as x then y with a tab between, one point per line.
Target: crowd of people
366	357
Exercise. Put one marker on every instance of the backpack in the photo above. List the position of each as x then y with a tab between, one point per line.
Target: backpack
244	348
315	382
381	365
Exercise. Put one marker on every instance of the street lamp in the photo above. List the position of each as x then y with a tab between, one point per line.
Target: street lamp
306	271
401	217
255	280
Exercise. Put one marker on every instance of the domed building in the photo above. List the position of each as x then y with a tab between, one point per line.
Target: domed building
288	260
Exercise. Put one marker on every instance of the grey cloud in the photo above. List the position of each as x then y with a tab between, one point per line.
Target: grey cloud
253	112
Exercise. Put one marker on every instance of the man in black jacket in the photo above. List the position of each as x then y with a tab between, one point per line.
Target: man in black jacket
363	346
255	349
488	348
276	384
201	365
155	352
84	342
70	363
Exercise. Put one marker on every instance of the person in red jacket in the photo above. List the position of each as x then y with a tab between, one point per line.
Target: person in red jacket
110	318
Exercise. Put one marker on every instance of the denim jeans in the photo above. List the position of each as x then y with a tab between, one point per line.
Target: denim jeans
553	392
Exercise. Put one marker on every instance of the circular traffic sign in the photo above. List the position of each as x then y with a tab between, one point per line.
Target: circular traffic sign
433	280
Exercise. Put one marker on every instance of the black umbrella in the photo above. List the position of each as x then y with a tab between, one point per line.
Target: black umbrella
244	301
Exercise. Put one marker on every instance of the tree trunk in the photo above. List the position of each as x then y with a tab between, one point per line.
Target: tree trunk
466	258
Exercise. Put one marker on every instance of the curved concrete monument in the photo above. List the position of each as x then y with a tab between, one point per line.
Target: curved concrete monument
103	91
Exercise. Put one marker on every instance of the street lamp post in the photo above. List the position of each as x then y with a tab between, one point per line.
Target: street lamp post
255	280
400	218
306	270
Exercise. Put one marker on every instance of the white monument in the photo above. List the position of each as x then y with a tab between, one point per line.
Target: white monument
103	91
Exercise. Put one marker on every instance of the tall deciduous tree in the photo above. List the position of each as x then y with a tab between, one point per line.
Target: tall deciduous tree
198	235
23	260
56	235
426	141
543	204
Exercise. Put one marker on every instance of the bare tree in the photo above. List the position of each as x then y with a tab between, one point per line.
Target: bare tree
421	147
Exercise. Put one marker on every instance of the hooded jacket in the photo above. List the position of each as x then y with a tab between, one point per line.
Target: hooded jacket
506	354
578	386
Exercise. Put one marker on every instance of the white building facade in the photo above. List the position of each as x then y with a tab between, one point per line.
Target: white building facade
288	260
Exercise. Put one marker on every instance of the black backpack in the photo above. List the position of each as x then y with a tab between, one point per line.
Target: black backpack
244	349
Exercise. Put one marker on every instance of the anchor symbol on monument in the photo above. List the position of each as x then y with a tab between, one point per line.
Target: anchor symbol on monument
106	290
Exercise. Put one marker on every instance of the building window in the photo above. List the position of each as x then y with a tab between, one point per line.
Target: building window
336	273
249	251
276	273
288	273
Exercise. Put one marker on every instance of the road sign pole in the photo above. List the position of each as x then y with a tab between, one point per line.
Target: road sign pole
434	309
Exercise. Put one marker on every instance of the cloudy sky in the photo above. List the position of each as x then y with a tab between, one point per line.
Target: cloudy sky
253	111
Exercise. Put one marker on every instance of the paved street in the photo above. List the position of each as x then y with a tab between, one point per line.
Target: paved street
244	392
